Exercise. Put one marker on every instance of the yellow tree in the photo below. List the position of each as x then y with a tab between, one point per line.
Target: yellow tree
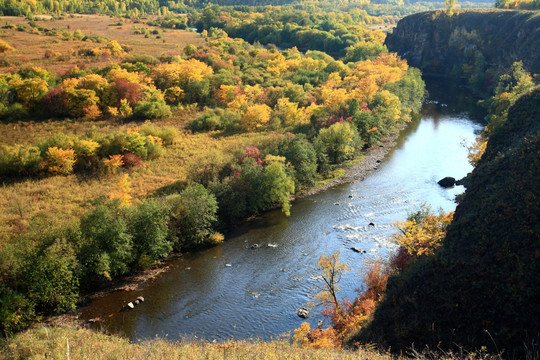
256	116
331	271
423	236
29	91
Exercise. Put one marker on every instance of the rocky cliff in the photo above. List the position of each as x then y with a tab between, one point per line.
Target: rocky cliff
483	287
468	41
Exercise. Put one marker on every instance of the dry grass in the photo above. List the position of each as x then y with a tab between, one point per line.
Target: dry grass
69	342
68	197
30	48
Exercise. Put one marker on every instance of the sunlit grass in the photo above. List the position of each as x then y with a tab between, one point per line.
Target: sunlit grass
70	342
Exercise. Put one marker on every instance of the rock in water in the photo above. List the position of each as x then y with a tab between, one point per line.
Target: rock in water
303	313
130	305
140	298
447	182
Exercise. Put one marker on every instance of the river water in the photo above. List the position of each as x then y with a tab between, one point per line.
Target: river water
234	291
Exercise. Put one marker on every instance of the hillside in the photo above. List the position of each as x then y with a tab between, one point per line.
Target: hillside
469	43
482	288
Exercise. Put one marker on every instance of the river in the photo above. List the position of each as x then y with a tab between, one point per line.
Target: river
234	291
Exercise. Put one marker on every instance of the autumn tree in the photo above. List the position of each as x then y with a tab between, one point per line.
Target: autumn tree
331	270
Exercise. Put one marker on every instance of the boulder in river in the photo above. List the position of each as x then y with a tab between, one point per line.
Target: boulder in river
447	182
303	313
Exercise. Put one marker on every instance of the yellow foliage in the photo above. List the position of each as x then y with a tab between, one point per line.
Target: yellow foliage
423	238
132	77
59	161
155	140
256	116
289	113
29	90
301	334
277	66
86	147
123	188
273	158
5	47
182	73
477	149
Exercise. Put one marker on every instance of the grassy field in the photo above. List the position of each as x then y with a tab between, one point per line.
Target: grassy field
68	342
31	44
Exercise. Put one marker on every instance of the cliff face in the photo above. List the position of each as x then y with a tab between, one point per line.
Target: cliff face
436	42
483	287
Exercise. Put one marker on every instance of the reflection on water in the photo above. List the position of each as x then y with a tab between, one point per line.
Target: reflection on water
259	293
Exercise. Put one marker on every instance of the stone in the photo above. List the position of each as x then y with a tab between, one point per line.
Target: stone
447	182
140	298
130	305
303	313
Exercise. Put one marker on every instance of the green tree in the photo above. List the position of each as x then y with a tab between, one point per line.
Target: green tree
149	227
339	141
193	216
106	249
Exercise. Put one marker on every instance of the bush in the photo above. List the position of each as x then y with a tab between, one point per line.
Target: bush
301	154
52	279
339	141
19	160
60	162
149	227
167	134
193	216
106	249
207	122
152	107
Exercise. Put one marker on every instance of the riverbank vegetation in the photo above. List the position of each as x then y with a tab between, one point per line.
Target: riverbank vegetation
147	153
472	282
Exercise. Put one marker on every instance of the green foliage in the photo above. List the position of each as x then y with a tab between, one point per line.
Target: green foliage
207	122
52	280
149	227
301	154
278	187
106	249
193	216
152	107
19	160
339	141
507	90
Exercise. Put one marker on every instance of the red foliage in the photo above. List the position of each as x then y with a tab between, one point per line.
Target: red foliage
364	107
334	119
401	259
53	103
252	152
127	90
131	160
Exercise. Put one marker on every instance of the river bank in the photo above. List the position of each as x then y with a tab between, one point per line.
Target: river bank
367	161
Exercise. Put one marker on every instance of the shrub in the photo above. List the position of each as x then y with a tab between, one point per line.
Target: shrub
301	154
19	160
193	216
207	122
152	107
130	160
149	227
59	161
52	281
339	141
167	134
106	249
